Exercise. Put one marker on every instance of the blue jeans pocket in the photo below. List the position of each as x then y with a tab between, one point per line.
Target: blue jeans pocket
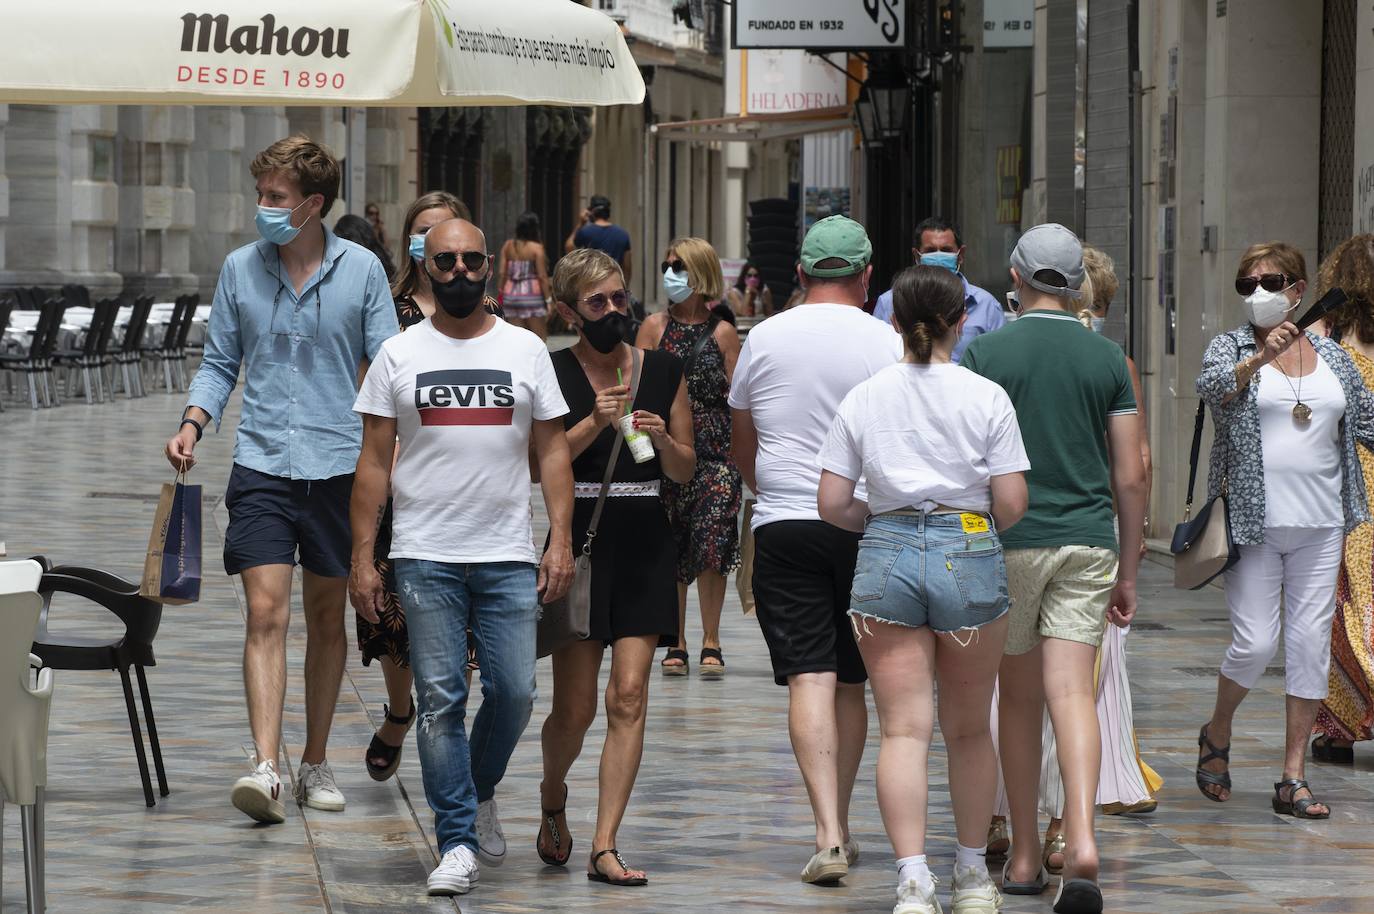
872	570
981	576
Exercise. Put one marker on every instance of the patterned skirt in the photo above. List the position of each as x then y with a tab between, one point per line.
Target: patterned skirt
1347	712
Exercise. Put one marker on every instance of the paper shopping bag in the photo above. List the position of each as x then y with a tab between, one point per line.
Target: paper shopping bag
171	569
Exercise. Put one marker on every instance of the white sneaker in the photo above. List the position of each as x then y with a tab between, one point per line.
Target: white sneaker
491	841
258	795
914	898
315	787
974	891
456	874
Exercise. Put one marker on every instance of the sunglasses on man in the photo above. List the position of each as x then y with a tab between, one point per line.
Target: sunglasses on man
1269	282
447	260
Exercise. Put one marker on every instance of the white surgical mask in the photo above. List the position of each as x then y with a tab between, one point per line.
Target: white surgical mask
1098	323
1268	309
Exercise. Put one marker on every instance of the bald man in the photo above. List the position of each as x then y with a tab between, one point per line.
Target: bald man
467	397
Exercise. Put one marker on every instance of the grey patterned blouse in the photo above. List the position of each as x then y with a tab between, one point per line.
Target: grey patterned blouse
1236	450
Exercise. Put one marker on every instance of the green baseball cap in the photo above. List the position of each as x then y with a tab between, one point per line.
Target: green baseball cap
835	238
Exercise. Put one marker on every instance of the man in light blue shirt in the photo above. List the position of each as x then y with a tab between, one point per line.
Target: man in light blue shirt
302	312
937	243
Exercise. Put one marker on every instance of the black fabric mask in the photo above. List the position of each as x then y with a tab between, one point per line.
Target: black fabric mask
607	333
460	296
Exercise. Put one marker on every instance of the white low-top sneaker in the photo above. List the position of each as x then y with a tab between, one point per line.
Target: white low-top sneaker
258	795
456	874
974	891
491	841
315	787
914	898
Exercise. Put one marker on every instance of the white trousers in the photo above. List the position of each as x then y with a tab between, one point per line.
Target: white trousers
1296	568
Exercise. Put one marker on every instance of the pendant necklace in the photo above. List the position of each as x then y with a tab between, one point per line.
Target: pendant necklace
1302	413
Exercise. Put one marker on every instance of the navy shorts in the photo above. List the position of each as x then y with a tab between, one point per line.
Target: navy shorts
272	518
803	570
945	571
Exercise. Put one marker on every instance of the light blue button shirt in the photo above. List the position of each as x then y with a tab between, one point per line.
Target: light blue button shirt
300	356
984	314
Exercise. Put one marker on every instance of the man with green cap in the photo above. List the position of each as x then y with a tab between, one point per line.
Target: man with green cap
793	371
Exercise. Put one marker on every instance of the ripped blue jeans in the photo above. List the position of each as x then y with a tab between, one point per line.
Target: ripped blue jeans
941	570
498	602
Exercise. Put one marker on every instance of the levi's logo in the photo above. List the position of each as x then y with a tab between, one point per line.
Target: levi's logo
465	397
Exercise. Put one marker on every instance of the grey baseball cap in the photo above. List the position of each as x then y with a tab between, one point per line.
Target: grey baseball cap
1050	247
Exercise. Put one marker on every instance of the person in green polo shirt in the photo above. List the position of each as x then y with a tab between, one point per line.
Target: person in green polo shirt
1065	569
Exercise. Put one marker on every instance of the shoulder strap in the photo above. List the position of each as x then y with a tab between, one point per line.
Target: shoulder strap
1193	454
700	344
635	362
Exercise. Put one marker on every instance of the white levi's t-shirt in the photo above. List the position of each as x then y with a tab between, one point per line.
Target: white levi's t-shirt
926	435
792	373
463	411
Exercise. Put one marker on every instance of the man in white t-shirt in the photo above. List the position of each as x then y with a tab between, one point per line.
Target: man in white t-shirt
793	371
462	399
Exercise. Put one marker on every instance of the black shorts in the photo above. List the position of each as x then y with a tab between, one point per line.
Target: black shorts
271	518
803	570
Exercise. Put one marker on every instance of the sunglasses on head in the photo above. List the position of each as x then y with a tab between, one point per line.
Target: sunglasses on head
447	260
1270	282
677	266
599	302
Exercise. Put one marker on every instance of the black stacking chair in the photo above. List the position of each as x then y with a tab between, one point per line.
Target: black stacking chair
6	308
165	351
188	316
35	364
129	355
89	356
76	296
134	649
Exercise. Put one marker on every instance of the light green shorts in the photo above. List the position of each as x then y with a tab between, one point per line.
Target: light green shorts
1058	592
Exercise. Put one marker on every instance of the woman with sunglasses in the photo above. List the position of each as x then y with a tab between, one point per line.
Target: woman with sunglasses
1347	710
1288	407
750	296
633	559
388	639
703	513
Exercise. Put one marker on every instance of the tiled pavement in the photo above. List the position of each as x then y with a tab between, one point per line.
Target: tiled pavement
719	816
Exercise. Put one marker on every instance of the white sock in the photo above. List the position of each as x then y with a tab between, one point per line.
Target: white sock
971	856
909	868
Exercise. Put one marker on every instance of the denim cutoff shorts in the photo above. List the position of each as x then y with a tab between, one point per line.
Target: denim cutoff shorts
941	570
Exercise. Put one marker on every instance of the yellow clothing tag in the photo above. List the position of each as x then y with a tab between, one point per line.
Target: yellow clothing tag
974	523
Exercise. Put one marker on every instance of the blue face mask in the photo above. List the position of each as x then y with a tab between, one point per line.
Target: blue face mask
1098	323
417	247
274	223
676	287
941	259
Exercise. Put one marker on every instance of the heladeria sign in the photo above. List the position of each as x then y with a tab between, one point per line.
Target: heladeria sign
839	24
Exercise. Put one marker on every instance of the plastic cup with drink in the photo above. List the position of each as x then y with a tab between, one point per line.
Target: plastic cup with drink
641	445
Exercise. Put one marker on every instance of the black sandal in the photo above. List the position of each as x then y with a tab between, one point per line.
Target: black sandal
551	820
379	749
711	670
1297	808
1324	751
626	881
674	669
1207	778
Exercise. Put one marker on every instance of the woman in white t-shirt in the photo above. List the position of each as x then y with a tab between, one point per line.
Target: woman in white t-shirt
940	451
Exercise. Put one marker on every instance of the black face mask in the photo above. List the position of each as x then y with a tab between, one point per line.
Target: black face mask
607	333
460	296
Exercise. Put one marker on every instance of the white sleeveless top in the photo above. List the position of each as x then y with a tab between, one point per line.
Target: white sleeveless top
1302	461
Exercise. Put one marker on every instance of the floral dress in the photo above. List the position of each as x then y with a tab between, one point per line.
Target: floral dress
704	512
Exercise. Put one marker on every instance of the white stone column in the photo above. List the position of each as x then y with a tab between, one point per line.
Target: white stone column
38	239
219	177
95	197
4	184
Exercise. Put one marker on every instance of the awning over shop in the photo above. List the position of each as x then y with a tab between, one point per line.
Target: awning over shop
755	128
315	52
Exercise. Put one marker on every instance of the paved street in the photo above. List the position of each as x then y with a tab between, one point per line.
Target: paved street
719	817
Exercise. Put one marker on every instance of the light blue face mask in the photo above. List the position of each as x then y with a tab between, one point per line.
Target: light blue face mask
676	287
274	223
941	259
1098	323
417	247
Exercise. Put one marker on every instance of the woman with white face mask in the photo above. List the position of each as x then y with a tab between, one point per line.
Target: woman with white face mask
1288	407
